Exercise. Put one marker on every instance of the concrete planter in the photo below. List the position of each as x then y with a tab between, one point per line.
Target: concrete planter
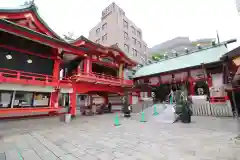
66	118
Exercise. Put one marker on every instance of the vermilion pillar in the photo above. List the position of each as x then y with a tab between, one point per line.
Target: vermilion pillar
87	65
191	86
56	69
54	99
55	94
73	102
121	72
139	96
105	99
130	98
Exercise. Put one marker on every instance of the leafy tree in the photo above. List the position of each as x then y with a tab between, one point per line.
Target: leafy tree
69	36
158	56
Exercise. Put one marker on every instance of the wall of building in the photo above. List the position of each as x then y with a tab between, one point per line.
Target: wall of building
117	27
20	61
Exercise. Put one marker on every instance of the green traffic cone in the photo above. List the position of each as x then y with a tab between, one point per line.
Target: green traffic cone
155	110
116	120
171	100
143	117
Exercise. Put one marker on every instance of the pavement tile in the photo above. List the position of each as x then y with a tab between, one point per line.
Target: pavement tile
95	138
68	157
2	156
30	155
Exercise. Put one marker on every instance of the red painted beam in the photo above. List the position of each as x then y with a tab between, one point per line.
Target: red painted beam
52	43
26	110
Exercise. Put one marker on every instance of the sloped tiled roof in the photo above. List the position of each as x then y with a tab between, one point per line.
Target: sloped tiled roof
30	7
204	56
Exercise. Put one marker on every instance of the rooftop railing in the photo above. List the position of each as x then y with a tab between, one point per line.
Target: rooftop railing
99	78
21	77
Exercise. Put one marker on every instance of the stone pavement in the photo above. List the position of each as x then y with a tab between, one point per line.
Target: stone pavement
95	138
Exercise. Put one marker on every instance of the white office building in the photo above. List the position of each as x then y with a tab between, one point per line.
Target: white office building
115	28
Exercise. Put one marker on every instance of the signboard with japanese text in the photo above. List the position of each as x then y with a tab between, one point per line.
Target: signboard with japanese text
166	78
198	74
154	80
180	76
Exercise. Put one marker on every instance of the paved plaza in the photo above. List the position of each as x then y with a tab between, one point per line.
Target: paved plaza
95	138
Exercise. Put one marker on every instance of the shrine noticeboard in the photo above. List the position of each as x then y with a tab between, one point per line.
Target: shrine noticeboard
154	81
166	78
198	74
180	76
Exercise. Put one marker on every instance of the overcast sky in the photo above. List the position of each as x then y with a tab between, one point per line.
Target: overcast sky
160	20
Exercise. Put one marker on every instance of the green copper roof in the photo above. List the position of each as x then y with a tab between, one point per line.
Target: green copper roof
204	56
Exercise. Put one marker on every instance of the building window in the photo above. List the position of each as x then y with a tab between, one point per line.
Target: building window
104	26
97	41
5	99
133	30
126	48
139	34
145	48
139	44
41	99
23	99
98	30
134	52
104	38
64	100
134	40
125	24
125	35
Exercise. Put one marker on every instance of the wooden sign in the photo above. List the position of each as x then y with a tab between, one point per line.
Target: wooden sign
180	76
166	78
154	81
198	74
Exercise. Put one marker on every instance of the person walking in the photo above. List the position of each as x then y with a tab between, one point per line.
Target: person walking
94	109
109	107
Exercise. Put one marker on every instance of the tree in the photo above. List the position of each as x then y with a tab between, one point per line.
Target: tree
69	36
158	56
27	2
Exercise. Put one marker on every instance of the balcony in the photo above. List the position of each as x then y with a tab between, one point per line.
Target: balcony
28	78
98	78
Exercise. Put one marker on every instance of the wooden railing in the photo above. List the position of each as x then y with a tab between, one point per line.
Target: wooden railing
101	79
21	77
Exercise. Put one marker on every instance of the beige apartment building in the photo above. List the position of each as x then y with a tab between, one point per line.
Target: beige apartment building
116	28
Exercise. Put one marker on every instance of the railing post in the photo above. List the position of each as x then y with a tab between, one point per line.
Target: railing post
18	75
46	79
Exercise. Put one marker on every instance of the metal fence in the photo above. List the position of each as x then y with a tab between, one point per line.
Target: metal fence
208	109
136	108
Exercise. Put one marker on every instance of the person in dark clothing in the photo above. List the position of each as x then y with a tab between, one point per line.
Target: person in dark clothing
109	107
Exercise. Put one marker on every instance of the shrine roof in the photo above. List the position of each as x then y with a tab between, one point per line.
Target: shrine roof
82	40
197	58
50	41
33	9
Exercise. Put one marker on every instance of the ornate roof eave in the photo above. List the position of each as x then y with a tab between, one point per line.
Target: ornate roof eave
4	24
80	40
31	8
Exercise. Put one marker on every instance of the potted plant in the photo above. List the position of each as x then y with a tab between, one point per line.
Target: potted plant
183	107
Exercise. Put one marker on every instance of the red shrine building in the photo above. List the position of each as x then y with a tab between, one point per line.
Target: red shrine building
200	73
40	73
